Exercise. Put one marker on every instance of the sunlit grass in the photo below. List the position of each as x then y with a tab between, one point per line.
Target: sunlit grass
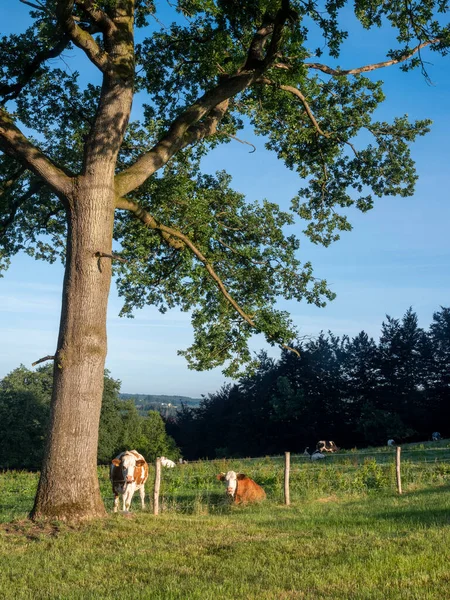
382	547
347	535
193	488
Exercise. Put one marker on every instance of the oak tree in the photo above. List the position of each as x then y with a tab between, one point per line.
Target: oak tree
119	192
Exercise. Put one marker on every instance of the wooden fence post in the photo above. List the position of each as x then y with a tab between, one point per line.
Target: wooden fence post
397	468
287	465
157	486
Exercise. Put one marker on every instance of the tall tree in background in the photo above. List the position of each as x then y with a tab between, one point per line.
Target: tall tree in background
24	412
361	379
354	391
88	175
25	398
439	383
403	361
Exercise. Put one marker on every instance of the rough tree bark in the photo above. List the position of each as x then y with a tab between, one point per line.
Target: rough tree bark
68	487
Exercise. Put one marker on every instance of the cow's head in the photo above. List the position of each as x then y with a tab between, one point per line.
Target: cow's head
128	463
231	478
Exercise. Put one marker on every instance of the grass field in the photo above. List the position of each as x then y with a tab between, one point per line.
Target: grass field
357	541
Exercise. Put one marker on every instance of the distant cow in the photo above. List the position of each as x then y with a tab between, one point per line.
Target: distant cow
391	442
241	488
325	446
129	472
166	462
316	455
435	436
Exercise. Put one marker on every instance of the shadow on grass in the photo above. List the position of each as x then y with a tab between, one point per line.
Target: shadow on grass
432	513
429	490
434	517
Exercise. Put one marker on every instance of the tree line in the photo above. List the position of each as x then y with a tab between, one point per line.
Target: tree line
24	419
355	391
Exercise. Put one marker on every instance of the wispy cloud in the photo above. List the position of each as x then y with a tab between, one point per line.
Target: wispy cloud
34	286
29	304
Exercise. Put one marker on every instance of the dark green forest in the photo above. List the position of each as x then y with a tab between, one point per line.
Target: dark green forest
24	414
357	392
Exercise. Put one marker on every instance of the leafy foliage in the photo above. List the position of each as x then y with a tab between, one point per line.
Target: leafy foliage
237	66
24	412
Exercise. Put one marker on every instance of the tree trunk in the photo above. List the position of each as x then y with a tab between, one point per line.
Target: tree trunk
68	487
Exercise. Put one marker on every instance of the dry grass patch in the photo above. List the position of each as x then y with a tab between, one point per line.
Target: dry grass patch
332	498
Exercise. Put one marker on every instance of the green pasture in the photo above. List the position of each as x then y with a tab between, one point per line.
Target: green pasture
347	535
193	488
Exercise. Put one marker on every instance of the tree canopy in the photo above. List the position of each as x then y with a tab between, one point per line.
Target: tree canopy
217	69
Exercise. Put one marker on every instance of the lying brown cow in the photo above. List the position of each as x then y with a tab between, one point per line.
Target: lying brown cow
241	488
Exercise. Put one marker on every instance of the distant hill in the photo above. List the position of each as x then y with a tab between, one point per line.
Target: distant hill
167	405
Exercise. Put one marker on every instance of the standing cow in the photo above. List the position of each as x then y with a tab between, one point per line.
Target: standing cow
435	436
129	472
325	446
241	488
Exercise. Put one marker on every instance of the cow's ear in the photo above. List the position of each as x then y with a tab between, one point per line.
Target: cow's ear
221	476
115	462
140	462
241	476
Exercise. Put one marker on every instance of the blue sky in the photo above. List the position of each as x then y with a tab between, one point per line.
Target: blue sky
398	254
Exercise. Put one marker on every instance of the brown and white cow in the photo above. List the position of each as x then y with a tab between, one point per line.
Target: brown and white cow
241	488
129	472
325	446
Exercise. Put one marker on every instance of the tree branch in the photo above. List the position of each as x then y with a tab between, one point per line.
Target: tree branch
5	185
111	256
365	69
15	144
255	56
233	137
297	92
38	6
11	91
172	236
82	39
286	13
182	131
178	240
100	18
301	97
207	127
174	140
6	222
148	220
44	359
